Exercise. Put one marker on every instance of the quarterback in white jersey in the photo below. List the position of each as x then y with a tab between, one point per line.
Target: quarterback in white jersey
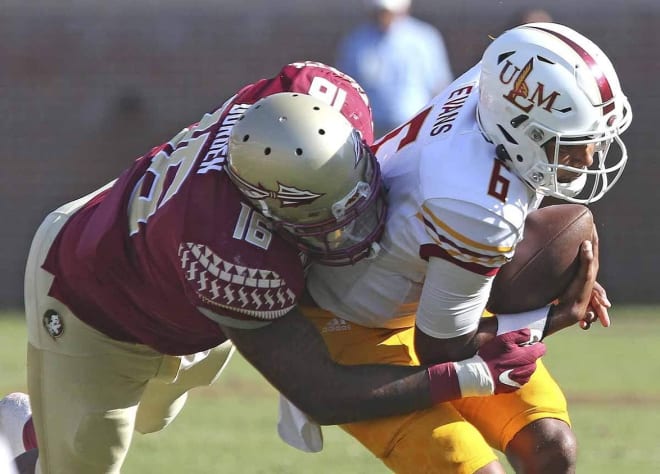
450	198
540	115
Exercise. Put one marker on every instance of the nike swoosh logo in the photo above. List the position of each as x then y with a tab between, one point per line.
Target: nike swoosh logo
506	380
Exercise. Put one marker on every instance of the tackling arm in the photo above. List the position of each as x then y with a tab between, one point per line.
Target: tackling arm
292	356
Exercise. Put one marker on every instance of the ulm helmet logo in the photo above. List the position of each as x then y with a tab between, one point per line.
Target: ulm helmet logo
520	89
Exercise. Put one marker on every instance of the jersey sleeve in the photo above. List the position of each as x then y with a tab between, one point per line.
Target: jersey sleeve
468	235
452	301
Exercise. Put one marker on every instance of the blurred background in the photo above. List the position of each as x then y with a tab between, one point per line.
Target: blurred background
87	86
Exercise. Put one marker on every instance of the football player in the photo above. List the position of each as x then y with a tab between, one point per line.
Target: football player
140	291
540	115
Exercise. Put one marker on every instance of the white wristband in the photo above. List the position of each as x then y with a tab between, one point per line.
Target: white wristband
535	320
474	377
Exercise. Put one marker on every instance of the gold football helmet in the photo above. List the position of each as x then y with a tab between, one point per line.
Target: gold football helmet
303	165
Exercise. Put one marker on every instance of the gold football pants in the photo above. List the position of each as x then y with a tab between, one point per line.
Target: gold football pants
456	437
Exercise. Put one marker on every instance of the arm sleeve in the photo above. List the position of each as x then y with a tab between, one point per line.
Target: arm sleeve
452	301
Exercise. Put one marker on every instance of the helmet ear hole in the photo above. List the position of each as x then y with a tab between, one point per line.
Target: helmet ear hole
503	56
267	151
299	151
321	131
519	120
501	153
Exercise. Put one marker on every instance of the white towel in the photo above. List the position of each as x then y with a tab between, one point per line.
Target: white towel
297	429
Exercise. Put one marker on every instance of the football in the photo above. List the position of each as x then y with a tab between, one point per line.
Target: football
545	260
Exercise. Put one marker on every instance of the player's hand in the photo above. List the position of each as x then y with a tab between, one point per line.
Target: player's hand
599	303
597	309
584	300
502	365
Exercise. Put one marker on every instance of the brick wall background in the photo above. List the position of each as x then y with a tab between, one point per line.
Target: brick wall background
85	87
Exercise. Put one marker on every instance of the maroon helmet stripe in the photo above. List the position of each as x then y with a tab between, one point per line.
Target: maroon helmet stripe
604	87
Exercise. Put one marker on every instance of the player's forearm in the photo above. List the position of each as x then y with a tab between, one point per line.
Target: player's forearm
480	375
432	350
487	331
558	319
332	393
365	392
293	357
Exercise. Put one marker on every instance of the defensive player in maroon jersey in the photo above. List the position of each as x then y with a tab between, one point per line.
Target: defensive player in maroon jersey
136	292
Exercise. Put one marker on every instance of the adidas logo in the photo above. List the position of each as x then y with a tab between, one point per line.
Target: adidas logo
336	325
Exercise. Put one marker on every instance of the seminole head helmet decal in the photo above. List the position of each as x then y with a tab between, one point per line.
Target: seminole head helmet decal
288	196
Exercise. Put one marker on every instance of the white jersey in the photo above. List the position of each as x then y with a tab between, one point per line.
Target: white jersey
452	203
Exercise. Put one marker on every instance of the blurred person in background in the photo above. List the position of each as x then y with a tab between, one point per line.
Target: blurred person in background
400	61
140	291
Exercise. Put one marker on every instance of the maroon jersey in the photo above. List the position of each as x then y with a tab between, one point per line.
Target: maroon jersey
172	248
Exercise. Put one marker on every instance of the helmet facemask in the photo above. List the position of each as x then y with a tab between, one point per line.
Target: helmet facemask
543	171
583	185
357	222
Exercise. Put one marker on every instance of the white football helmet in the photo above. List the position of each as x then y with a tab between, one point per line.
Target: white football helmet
302	164
544	82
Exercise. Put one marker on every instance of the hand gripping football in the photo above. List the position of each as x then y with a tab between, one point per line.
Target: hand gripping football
545	261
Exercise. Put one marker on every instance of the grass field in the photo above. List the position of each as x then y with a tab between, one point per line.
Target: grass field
611	379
